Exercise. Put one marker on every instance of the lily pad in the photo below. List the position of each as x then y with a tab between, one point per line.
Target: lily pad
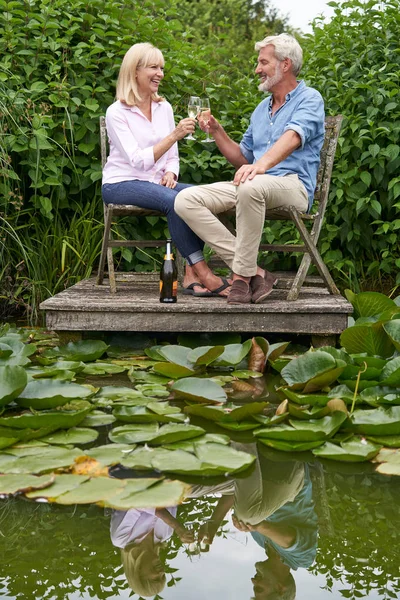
225	458
172	371
178	355
304	431
117	393
302	399
275	350
74	435
11	484
173	432
368	304
20	352
48	393
189	445
308	412
354	450
392	329
378	421
292	446
147	414
133	434
246	374
391	373
233	354
46	459
388	441
84	350
161	494
312	371
370	338
102	368
13	381
60	485
154	353
205	355
203	390
98	489
5	350
97	418
238	426
69	415
137	375
377	395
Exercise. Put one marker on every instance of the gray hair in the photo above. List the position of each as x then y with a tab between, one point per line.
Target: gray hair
286	46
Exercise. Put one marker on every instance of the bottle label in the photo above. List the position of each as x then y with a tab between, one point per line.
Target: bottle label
169	256
175	288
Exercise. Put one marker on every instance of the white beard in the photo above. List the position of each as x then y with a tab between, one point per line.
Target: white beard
270	82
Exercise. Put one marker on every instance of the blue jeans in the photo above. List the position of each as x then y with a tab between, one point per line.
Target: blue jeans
154	196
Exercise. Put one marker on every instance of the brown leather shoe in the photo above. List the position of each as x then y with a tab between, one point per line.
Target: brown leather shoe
261	287
240	293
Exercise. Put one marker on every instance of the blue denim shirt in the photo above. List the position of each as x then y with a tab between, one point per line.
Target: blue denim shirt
303	112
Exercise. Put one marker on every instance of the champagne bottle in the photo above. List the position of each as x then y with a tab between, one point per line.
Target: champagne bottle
168	276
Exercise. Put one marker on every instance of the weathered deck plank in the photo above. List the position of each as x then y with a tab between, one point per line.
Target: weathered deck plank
89	307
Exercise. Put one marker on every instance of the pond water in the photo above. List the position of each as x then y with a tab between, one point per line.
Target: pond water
318	533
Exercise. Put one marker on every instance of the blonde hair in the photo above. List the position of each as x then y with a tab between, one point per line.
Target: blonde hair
137	563
286	46
138	55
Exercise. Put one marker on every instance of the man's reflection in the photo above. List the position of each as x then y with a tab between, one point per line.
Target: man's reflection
140	534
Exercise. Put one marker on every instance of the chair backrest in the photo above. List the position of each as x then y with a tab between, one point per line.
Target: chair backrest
103	141
332	130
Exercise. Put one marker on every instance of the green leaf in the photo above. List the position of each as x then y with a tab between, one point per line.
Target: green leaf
133	434
147	414
354	450
369	338
172	371
391	373
60	485
97	418
197	389
304	431
312	371
101	368
177	355
11	484
69	415
291	446
378	421
49	393
160	494
45	459
12	383
312	399
98	489
110	454
387	441
233	354
205	355
170	433
368	304
393	330
84	350
74	435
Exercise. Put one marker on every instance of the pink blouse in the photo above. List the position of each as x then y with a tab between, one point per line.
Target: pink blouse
132	137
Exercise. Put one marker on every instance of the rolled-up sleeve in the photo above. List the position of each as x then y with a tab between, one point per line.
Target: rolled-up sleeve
172	163
125	142
308	118
246	145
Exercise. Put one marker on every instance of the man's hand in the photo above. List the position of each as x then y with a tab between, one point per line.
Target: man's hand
168	180
243	526
248	172
211	125
186	536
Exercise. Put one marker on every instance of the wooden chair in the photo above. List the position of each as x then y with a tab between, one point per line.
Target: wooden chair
310	238
111	211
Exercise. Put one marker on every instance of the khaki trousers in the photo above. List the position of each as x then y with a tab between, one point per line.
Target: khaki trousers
199	205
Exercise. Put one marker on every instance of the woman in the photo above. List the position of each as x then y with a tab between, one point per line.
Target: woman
143	166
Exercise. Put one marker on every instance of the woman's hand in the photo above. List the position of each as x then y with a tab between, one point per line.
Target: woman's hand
168	180
185	127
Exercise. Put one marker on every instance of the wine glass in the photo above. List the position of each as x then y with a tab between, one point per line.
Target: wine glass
205	113
193	111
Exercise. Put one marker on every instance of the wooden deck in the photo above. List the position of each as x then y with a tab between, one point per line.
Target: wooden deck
136	307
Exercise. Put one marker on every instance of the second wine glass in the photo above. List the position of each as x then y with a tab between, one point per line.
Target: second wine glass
205	113
193	111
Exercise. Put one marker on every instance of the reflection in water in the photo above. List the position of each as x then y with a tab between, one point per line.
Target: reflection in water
274	503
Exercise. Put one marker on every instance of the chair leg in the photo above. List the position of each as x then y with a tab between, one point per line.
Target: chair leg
180	264
315	255
104	246
111	272
299	278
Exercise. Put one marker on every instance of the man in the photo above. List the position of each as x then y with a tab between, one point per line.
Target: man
277	163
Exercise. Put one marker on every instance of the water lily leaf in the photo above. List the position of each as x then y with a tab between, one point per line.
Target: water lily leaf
110	454
5	442
189	445
393	331
159	495
307	412
195	388
49	393
240	413
172	371
212	413
246	374
20	352
5	350
352	371
312	370
117	393
368	304
351	384
177	355
60	485
371	361
354	450
387	441
84	350
154	353
97	418
174	432
391	373
226	458
343	392
312	399
304	431
279	364
133	434
378	421
271	420
136	375
46	459
145	414
233	354
69	415
286	446
11	484
98	489
13	380
180	462
275	350
141	458
102	368
238	426
380	395
205	355
151	391
370	338
389	469
74	435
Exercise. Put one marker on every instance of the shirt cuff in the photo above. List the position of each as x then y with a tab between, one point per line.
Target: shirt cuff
148	158
299	130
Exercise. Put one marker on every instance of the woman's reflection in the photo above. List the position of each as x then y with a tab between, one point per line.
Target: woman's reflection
140	534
